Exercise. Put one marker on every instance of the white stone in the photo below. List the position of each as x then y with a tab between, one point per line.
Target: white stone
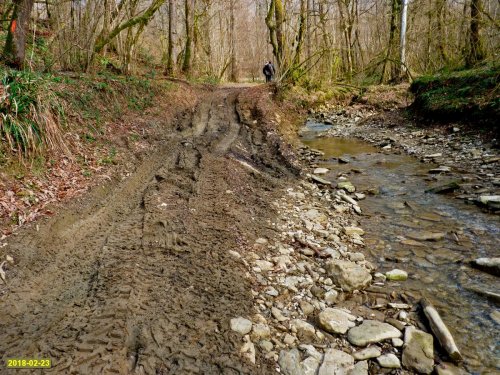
360	368
305	331
321	170
372	331
389	361
397	343
241	325
336	320
260	332
371	352
348	275
264	265
396	275
331	296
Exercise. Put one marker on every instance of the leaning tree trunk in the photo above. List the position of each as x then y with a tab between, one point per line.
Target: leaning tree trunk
15	45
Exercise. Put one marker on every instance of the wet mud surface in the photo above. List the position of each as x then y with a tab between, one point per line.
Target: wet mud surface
137	278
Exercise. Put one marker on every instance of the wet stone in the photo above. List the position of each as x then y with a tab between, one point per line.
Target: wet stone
418	354
396	275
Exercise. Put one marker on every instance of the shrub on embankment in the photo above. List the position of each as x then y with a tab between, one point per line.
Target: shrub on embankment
468	95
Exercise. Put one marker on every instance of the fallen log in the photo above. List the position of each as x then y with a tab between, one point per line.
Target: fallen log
440	330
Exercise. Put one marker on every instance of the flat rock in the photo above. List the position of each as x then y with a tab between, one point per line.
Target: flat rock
336	362
426	236
353	230
489	265
320	180
321	170
389	361
305	331
372	331
418	353
264	265
371	352
347	186
336	320
396	275
348	275
241	325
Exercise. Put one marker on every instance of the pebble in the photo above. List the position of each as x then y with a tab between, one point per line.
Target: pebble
305	331
397	343
389	361
260	332
370	352
396	275
306	307
321	171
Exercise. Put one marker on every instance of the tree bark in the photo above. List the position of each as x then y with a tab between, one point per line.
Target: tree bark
234	60
188	49
170	48
476	52
15	45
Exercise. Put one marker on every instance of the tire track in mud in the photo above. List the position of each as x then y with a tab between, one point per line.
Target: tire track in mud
142	282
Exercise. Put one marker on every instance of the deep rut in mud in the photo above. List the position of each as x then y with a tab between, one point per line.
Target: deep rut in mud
140	281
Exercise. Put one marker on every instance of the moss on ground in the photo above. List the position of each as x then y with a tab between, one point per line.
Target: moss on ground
469	95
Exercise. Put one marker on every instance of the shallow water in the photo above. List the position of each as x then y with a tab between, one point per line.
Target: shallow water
438	270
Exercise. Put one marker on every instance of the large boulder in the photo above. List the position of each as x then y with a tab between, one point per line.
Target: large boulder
418	353
348	275
372	331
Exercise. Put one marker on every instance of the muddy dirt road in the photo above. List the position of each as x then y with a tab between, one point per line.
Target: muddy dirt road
136	278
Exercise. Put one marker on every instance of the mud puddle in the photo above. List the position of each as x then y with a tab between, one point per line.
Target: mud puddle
399	218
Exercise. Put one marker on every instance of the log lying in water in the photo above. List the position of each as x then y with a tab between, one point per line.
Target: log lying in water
440	330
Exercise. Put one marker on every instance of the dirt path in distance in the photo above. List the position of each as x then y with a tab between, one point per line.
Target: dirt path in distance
138	278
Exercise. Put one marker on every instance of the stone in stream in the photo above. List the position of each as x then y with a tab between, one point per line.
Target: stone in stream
441	169
347	186
418	353
241	325
396	275
353	230
336	362
336	320
489	265
492	201
445	188
372	331
445	368
371	352
348	275
389	361
321	170
426	236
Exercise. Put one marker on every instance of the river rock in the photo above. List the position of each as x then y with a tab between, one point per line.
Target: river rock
321	170
241	325
278	315
389	361
331	296
336	320
336	362
248	349
492	201
372	331
289	362
449	369
320	180
350	231
371	352
316	216
305	331
264	265
347	186
426	236
266	345
306	307
360	368
396	275
348	275
489	265
418	353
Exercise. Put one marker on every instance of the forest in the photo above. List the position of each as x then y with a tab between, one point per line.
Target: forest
310	41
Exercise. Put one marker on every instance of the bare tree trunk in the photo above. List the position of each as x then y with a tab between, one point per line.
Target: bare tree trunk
402	40
476	52
170	48
188	10
234	60
15	45
387	75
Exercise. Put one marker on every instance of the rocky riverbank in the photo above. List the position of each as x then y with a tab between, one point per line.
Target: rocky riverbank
463	160
320	306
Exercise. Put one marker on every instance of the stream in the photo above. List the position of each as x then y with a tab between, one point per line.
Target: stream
397	217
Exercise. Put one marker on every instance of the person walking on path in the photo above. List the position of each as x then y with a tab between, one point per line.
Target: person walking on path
269	71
